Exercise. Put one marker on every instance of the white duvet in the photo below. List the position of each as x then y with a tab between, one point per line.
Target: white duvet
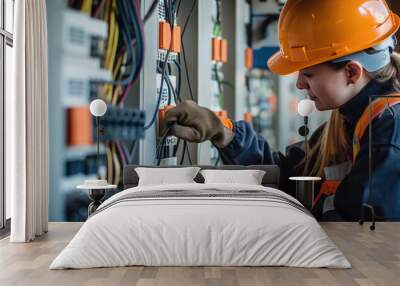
200	231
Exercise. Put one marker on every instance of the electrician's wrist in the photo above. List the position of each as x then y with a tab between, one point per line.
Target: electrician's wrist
224	138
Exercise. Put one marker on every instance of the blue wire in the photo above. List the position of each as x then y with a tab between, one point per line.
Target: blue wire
128	41
138	34
126	17
153	119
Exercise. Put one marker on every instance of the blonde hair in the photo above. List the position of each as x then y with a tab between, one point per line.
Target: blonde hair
334	146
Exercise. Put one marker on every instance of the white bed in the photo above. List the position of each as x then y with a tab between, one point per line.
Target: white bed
248	226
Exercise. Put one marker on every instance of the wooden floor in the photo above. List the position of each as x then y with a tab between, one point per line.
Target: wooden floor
375	257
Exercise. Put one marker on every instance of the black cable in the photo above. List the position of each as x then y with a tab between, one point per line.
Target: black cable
169	84
188	153
169	15
153	120
151	10
188	17
123	14
248	105
167	80
183	49
159	95
171	12
185	146
179	80
218	20
169	69
187	72
123	18
176	99
161	145
166	10
179	85
218	79
179	6
171	89
177	146
183	153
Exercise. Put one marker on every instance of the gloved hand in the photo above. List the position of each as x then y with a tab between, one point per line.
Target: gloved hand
195	123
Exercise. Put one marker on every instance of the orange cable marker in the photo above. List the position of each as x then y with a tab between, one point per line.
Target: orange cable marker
176	39
215	49
224	50
80	126
164	35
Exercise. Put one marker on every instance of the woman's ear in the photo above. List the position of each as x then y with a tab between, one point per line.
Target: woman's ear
353	71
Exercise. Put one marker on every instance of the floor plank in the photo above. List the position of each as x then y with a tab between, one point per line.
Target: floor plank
375	257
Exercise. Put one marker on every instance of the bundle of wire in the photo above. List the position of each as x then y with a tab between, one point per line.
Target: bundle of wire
124	57
171	9
170	19
131	25
125	52
169	14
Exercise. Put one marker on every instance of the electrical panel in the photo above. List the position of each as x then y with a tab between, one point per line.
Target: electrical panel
219	56
167	95
89	59
83	41
166	34
75	41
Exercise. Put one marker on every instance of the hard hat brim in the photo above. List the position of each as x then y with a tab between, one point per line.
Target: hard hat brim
281	65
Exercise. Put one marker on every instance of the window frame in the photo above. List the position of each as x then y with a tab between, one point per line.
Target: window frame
6	39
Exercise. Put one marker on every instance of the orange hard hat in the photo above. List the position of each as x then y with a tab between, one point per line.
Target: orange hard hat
314	31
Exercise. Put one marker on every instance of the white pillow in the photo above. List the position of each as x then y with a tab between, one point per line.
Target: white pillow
164	176
248	177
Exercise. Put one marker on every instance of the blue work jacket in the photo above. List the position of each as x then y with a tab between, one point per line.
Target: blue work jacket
250	148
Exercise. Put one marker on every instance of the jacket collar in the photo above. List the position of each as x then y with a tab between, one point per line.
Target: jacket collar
354	108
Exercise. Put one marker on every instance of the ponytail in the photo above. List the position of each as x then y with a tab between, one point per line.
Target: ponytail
391	72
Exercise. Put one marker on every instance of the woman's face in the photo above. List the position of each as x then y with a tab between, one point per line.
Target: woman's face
330	88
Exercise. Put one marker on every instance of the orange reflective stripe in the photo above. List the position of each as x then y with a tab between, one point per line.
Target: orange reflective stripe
328	188
376	108
227	123
223	117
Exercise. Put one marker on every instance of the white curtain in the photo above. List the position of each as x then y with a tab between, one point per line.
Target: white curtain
27	123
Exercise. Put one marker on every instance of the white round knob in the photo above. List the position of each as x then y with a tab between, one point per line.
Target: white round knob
98	107
305	107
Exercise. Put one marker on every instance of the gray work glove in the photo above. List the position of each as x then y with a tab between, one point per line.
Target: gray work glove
195	123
